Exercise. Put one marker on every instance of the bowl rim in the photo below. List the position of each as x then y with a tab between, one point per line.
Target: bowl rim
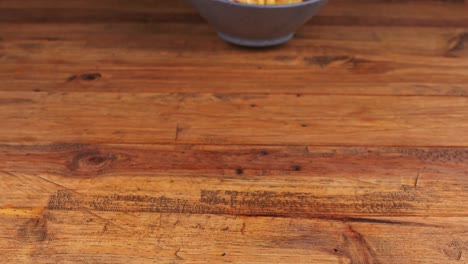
231	2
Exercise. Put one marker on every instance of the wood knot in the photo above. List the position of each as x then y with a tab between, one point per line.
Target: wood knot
457	44
90	162
296	168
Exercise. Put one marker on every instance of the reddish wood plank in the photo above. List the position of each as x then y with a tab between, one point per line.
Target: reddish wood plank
233	119
130	134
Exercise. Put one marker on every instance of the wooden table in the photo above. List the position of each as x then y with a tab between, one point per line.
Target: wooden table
129	133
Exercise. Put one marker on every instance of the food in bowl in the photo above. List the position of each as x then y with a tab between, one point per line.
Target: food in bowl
257	23
269	2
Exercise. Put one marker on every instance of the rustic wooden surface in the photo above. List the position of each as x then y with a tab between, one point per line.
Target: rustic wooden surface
130	134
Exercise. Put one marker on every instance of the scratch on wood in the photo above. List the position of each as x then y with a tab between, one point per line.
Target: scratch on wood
324	61
90	76
243	228
13	175
85	77
358	249
56	184
177	254
416	182
34	230
177	131
54	147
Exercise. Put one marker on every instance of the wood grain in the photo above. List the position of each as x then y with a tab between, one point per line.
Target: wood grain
339	203
327	182
233	119
130	134
152	46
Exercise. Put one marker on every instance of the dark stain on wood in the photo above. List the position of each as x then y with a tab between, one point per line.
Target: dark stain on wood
33	230
239	171
177	254
178	131
296	168
90	76
284	58
85	77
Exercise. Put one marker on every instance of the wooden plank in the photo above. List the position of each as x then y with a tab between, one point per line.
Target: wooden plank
233	119
299	182
130	134
169	55
171	58
70	237
120	203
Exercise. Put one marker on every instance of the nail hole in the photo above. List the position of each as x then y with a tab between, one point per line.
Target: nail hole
239	171
296	168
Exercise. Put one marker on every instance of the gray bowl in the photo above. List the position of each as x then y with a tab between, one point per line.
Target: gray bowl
256	25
